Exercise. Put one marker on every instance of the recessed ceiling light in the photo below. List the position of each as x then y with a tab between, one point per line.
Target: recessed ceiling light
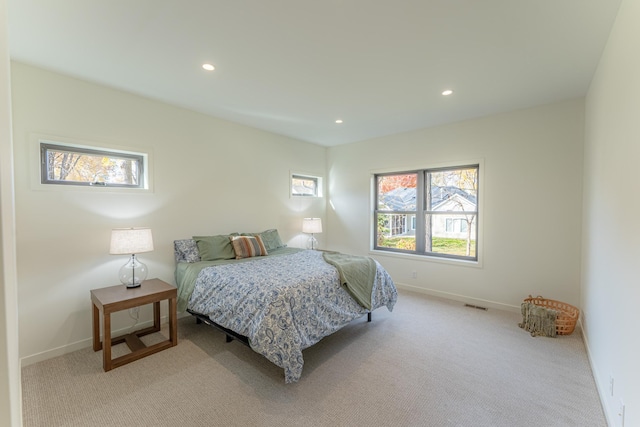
208	67
338	121
447	92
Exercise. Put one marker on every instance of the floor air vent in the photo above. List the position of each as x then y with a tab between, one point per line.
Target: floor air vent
476	306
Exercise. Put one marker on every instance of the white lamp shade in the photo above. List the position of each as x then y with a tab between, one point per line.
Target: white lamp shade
131	241
312	225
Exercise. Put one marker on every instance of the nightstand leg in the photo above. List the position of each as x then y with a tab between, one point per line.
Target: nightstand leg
156	315
173	321
96	328
106	342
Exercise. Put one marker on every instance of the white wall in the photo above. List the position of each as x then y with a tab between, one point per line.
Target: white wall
209	177
530	201
611	286
10	390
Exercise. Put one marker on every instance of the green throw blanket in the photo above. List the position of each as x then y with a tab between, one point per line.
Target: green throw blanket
357	275
538	320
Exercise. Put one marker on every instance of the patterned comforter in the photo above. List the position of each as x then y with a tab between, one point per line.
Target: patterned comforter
283	304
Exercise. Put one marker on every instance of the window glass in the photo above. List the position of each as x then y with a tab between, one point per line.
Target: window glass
392	233
309	186
446	199
397	192
68	165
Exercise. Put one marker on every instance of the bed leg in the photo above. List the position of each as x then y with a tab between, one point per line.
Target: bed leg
369	317
229	338
198	321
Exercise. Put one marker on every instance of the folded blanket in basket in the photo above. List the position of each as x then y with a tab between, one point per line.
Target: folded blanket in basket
538	320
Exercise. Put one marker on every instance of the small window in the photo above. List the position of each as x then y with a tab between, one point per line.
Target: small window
71	165
306	185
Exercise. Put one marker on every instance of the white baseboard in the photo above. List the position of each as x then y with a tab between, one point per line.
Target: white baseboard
602	389
87	342
55	352
461	298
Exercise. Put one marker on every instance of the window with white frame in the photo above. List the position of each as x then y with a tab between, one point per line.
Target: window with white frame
306	185
441	204
67	164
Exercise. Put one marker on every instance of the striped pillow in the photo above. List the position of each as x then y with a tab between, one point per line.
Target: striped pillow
248	246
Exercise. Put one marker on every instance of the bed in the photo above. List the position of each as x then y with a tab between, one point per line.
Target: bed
281	300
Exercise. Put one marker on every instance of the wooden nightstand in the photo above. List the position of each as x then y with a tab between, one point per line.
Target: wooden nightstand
117	298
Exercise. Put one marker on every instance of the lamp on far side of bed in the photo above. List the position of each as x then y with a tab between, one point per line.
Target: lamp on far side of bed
312	226
131	241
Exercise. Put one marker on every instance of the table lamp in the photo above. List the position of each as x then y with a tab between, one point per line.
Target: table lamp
131	241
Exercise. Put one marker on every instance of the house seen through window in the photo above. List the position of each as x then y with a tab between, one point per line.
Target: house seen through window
432	212
70	165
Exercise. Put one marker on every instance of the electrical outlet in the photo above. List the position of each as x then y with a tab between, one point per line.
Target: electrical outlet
414	274
611	385
621	414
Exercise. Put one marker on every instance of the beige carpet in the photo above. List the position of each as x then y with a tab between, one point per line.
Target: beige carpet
431	362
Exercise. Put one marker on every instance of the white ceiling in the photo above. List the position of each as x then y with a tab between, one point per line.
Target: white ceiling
295	66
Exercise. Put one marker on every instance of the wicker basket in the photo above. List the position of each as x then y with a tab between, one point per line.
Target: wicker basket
567	314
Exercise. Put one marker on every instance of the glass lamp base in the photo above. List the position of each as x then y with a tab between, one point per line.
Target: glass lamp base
312	243
133	273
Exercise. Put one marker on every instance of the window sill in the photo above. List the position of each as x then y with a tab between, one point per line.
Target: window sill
426	258
38	186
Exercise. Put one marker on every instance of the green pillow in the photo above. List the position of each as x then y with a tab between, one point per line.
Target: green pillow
270	238
212	248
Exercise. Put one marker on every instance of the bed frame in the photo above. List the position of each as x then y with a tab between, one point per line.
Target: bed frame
231	335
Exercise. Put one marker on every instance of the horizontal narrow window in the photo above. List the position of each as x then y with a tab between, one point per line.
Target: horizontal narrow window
70	165
431	212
